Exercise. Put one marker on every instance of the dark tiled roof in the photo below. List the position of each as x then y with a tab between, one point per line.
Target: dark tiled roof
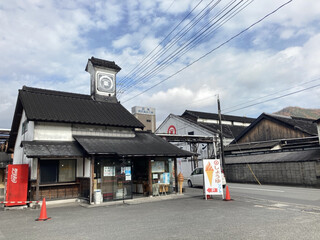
215	116
143	144
303	124
53	106
228	131
254	146
290	156
51	149
103	63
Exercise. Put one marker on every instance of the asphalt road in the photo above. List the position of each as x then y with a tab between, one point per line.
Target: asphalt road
253	214
297	195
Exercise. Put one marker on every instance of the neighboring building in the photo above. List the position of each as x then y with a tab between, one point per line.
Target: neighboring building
147	116
198	132
275	150
77	145
318	127
269	127
5	159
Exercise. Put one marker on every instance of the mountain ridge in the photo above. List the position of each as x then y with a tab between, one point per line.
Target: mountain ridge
299	112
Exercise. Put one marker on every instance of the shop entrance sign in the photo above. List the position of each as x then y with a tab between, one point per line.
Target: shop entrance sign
212	177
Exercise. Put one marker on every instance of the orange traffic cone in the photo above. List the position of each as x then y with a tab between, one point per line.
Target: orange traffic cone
227	194
43	212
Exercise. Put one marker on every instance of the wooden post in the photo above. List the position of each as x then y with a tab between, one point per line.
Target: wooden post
176	174
92	179
38	180
150	178
83	166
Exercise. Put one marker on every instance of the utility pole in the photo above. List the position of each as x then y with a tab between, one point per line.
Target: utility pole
221	137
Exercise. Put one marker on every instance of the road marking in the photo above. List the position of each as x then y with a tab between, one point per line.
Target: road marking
259	189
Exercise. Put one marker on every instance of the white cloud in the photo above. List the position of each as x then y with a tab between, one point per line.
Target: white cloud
47	43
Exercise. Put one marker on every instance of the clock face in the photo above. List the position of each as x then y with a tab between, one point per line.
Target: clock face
106	83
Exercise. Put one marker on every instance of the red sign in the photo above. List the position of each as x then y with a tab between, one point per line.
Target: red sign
172	130
17	184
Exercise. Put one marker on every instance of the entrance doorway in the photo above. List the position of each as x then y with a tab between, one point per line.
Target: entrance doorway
113	178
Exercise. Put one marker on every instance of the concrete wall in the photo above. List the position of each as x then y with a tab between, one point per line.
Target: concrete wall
288	173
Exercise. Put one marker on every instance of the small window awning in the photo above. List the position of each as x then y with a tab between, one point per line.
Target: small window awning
35	149
143	144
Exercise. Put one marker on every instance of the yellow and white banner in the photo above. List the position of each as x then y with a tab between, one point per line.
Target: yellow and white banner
212	177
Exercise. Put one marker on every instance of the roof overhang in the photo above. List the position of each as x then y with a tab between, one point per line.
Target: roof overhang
46	149
144	144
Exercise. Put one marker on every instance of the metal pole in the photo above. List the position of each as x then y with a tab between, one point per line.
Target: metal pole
221	137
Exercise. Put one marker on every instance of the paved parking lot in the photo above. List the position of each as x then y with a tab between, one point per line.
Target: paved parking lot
188	217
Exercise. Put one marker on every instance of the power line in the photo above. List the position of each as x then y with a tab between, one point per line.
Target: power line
144	38
137	67
188	45
282	96
214	49
191	43
253	100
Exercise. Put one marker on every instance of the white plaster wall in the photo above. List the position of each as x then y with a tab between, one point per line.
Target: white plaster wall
87	168
33	169
52	131
19	156
182	127
101	131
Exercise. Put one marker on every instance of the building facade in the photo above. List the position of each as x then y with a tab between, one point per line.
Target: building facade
198	132
147	116
275	150
77	145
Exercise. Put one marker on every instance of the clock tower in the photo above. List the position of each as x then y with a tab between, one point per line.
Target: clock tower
103	79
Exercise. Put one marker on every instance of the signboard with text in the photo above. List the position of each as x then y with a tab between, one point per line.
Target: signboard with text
212	177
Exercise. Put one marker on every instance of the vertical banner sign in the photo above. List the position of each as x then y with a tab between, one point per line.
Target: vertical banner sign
212	177
17	184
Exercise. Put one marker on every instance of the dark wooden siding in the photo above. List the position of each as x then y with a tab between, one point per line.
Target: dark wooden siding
267	130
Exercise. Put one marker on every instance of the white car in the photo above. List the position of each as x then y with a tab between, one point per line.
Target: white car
196	178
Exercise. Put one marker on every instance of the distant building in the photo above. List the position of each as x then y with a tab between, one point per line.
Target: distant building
275	149
198	132
147	116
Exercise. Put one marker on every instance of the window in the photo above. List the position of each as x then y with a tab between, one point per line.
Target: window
24	126
191	133
54	171
148	120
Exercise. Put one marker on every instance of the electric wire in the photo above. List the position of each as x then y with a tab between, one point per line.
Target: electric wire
268	100
212	50
124	63
152	60
196	38
186	48
167	36
271	94
169	59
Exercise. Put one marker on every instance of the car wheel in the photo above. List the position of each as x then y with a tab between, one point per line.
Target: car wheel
190	183
224	186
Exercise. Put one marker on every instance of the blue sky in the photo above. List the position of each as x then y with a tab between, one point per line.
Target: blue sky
46	44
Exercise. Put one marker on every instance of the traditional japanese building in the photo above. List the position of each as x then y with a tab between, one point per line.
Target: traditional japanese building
78	144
